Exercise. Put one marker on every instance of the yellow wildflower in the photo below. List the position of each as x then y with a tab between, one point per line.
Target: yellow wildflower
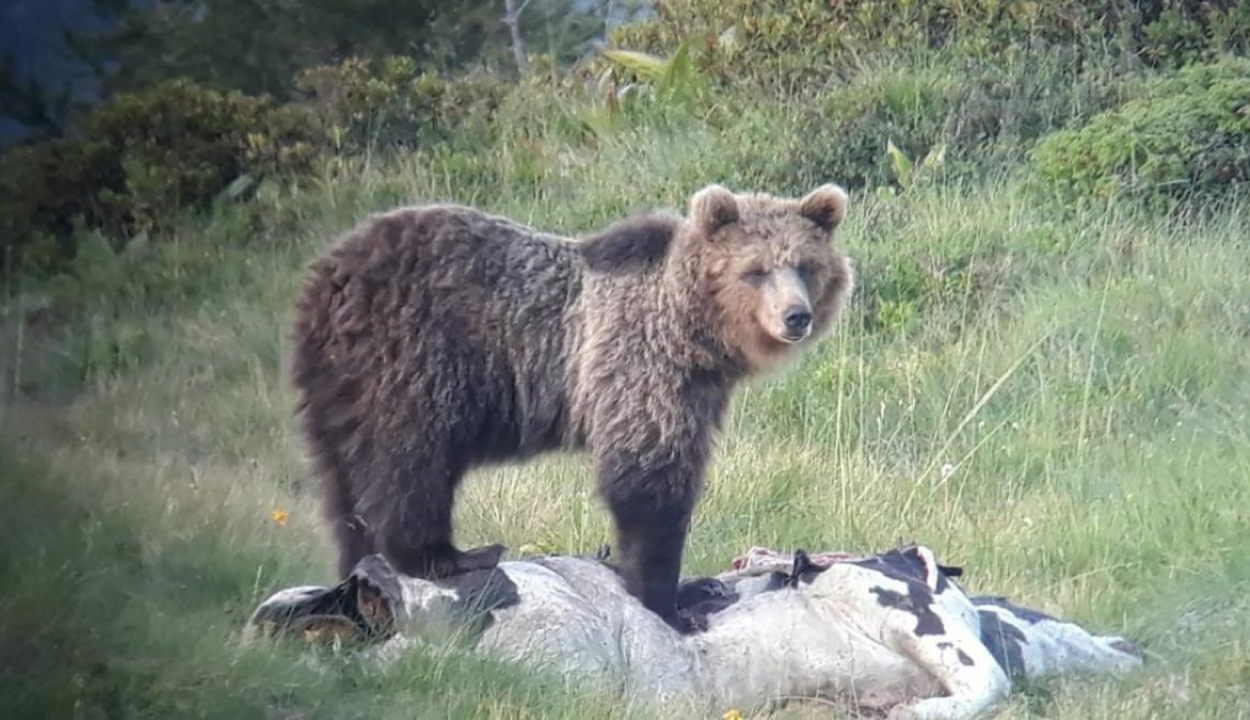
279	516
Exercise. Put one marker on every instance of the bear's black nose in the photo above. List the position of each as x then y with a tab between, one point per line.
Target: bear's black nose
797	319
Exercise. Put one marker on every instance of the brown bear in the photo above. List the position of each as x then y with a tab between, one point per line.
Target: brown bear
431	340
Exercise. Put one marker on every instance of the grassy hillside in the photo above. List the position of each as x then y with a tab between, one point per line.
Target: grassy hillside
1051	393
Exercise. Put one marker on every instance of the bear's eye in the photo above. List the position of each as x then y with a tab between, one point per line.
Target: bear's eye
807	271
755	275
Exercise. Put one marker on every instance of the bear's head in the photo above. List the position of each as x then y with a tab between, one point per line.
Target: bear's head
767	268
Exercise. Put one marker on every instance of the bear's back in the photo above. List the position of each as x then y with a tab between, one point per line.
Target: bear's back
444	305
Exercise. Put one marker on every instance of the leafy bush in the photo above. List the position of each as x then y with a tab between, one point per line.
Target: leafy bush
666	82
1173	32
783	41
366	104
137	160
1189	132
977	116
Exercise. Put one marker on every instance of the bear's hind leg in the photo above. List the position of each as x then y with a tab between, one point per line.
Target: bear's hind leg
414	524
351	532
354	542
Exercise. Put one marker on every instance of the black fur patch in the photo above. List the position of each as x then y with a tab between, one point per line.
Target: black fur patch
704	596
804	570
709	595
909	557
906	566
906	563
1025	614
776	581
1004	642
630	244
481	592
918	601
963	656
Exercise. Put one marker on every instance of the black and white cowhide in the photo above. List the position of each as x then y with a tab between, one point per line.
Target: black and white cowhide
889	632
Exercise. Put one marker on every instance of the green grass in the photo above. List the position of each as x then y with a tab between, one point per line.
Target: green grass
1055	400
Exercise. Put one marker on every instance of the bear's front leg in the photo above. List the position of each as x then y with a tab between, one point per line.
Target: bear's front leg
650	552
651	506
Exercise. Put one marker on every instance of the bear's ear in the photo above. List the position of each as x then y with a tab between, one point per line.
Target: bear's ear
712	208
825	206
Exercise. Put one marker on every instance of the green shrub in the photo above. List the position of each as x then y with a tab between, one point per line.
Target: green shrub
43	189
1189	132
366	104
979	117
140	158
784	41
661	83
1174	32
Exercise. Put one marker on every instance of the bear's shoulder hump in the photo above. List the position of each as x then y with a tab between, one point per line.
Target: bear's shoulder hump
636	244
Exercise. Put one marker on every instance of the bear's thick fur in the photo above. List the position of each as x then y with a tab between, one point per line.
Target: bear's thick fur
434	339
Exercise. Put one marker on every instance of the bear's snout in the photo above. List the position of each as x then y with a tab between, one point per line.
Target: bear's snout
798	322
